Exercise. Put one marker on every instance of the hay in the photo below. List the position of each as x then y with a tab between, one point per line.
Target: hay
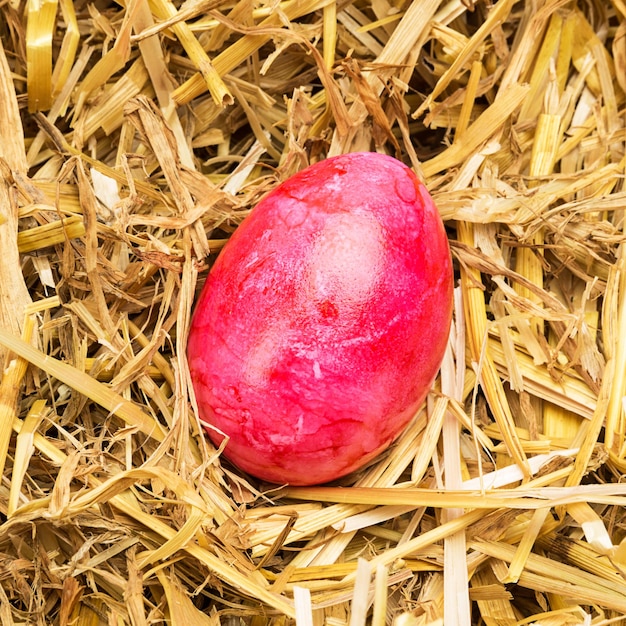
133	141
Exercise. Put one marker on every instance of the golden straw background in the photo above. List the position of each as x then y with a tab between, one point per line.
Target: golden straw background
135	137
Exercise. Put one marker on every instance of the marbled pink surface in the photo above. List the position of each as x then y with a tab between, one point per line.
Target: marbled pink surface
324	320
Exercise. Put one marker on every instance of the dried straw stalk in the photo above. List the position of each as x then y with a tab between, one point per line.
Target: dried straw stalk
135	137
14	295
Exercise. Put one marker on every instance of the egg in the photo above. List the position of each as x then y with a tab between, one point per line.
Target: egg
323	322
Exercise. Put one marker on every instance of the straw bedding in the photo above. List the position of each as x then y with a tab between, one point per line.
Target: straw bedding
135	137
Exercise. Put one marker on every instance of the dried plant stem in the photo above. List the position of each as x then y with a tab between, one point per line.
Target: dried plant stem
165	123
10	385
476	324
40	26
216	86
14	296
86	385
242	49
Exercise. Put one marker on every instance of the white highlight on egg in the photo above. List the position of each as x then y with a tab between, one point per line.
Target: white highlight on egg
346	258
317	370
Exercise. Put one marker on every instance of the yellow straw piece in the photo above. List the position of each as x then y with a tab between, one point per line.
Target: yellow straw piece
164	9
136	137
486	126
476	320
242	49
50	234
84	384
526	545
39	32
492	598
24	449
10	383
69	47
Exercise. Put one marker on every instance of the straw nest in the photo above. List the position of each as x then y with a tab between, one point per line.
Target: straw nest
134	139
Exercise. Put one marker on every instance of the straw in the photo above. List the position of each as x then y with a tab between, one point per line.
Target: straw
134	140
